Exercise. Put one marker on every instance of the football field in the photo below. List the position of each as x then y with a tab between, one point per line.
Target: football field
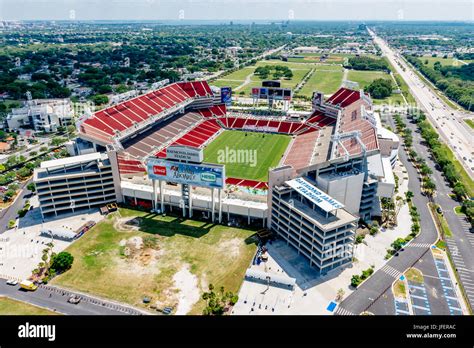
247	155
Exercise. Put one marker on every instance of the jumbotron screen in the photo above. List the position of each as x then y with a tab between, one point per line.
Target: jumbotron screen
272	93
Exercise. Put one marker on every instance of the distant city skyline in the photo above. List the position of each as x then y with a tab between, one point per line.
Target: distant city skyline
226	10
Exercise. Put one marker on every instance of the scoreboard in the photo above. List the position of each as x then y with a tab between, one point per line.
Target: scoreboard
272	93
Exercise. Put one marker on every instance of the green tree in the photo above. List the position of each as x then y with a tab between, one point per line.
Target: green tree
31	186
62	262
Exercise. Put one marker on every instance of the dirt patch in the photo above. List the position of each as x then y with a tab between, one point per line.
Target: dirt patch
231	247
188	290
139	256
127	224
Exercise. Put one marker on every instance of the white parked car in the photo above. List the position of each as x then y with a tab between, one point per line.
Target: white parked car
12	282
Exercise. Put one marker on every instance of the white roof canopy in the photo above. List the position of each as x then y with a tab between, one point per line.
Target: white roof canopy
315	195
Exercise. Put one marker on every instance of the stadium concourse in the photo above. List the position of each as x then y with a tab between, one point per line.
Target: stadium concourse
326	169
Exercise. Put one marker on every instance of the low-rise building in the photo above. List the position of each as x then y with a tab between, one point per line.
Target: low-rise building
43	115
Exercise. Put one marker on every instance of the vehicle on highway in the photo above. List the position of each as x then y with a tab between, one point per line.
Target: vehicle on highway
12	282
28	285
74	299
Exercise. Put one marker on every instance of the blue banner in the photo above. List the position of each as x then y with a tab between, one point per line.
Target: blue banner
226	95
203	175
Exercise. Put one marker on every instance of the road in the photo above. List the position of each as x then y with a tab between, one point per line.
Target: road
55	299
375	286
461	245
11	212
448	121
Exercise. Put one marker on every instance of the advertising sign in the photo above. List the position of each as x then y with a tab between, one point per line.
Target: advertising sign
202	175
184	153
226	95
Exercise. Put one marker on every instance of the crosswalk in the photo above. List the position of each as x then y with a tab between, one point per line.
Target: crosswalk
391	271
342	311
419	245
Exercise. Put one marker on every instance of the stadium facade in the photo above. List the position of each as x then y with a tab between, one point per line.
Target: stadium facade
335	170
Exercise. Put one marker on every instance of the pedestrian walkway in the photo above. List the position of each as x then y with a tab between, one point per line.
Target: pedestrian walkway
418	245
343	311
391	271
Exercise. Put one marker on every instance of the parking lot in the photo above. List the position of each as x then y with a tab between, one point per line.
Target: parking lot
21	247
419	298
448	288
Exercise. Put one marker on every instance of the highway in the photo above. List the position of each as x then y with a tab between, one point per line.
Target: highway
447	121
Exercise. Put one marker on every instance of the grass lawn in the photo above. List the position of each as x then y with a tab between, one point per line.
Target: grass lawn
440	221
227	83
238	77
325	81
10	306
470	122
441	244
314	58
240	74
396	99
171	260
414	275
399	289
250	164
364	78
465	177
443	61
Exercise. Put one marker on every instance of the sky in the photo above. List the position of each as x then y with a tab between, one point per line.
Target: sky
446	10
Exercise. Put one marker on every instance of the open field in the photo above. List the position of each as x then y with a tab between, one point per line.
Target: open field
237	78
260	152
325	81
10	306
133	254
315	58
444	61
364	78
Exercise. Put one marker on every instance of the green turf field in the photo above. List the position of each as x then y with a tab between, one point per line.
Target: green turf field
247	155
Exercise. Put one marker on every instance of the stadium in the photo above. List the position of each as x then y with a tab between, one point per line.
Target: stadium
308	177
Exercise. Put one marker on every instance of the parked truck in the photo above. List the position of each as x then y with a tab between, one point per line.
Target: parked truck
28	285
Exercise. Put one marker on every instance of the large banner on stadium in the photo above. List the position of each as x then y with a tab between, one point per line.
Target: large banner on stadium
203	175
226	95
